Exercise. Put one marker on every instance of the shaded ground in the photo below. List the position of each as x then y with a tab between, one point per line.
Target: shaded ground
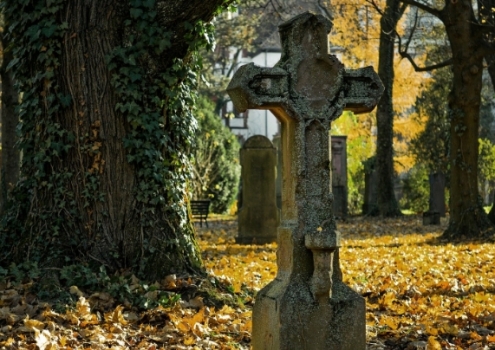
420	293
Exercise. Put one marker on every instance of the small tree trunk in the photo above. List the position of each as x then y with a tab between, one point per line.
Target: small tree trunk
10	153
386	201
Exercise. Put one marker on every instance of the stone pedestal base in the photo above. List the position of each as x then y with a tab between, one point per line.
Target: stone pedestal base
286	317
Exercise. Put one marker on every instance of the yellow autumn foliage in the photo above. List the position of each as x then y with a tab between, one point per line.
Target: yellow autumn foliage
419	292
355	38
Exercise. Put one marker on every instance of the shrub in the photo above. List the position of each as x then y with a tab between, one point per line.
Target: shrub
416	190
216	169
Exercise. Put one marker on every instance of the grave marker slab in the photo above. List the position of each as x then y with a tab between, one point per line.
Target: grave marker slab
259	216
370	206
436	201
437	193
307	306
278	181
339	176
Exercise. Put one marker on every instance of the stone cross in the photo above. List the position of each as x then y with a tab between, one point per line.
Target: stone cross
307	306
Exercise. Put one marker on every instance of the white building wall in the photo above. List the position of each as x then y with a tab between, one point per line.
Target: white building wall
259	122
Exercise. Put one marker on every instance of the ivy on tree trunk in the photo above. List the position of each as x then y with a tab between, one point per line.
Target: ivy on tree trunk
106	132
9	157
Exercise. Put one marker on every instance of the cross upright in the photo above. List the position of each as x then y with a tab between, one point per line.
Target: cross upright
307	306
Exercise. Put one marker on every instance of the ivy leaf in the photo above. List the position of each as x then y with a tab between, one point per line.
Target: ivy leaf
48	31
149	3
136	13
65	100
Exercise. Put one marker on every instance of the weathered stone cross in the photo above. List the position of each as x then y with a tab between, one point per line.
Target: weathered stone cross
307	306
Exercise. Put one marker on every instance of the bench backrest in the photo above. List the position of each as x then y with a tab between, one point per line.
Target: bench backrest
200	207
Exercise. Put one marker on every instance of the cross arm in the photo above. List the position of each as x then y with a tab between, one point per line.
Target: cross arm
255	87
362	89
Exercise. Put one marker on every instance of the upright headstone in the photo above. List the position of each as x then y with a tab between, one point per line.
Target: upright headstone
436	201
307	306
437	193
370	187
277	142
398	188
258	216
339	176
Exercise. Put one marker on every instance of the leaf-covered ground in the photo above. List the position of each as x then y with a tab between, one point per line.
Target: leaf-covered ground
421	294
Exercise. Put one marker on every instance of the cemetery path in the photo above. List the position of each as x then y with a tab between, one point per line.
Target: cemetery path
420	294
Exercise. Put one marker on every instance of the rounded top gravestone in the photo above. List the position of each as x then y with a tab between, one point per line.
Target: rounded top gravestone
257	141
258	216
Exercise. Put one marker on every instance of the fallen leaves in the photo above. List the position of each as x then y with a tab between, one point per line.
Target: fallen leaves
421	294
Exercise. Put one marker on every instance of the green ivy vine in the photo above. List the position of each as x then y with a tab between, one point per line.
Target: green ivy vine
43	141
157	104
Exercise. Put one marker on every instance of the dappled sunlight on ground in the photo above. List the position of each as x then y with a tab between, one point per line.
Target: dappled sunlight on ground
420	292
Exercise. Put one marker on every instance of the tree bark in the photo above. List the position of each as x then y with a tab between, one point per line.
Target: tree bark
466	34
467	217
9	157
100	219
487	16
386	201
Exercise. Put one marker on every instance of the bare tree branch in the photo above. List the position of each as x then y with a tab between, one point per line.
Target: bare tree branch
409	40
404	54
375	6
403	8
424	7
426	68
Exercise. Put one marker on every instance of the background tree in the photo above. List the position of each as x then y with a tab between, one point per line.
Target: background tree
360	147
9	157
358	34
216	168
235	35
386	202
466	35
431	146
106	133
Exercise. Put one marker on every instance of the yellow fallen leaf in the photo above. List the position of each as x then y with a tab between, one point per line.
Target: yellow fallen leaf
189	341
431	330
76	291
33	324
43	340
390	322
183	327
433	344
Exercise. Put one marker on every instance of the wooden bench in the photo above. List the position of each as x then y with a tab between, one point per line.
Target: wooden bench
200	209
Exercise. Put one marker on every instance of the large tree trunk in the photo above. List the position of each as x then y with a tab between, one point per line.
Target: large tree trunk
96	189
467	217
487	15
386	201
9	158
